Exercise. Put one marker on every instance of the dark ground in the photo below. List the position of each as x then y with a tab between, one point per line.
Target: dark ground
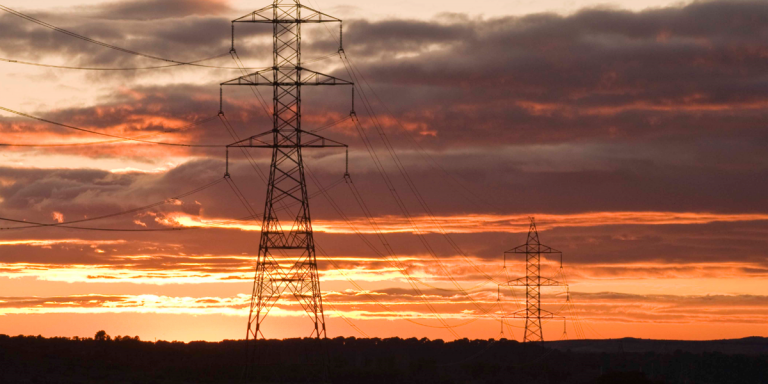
626	361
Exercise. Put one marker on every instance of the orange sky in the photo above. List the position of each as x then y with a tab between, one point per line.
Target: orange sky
635	137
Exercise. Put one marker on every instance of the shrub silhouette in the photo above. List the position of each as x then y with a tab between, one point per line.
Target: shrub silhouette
101	336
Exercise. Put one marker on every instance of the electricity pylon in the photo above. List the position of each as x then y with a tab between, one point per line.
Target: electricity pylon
533	249
287	199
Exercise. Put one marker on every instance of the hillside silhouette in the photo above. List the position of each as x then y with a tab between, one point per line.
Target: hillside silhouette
104	359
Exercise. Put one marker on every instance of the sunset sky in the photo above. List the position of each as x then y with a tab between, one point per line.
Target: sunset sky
633	130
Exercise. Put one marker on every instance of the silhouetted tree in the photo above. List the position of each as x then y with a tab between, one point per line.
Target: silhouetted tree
124	360
101	336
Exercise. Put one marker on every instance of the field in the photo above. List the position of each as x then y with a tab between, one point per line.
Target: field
29	359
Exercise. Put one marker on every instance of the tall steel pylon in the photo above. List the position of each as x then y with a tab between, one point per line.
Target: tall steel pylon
287	200
533	313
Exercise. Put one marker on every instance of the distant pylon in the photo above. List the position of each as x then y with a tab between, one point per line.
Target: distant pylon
532	283
287	200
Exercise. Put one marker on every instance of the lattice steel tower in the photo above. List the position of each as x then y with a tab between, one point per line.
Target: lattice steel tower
286	200
533	249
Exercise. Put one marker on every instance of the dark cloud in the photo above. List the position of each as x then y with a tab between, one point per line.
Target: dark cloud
608	74
602	110
34	194
661	75
186	38
160	9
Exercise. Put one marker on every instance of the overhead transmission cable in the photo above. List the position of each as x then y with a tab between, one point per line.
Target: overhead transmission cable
404	173
68	224
205	120
262	101
374	225
241	197
415	287
100	229
420	149
231	129
390	253
122	138
377	302
403	208
414	190
323	189
289	205
233	133
114	69
369	108
39	22
107	45
346	319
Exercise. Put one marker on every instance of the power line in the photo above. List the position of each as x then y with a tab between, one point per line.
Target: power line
389	249
205	120
115	69
404	173
107	45
347	320
330	125
68	224
109	69
287	206
107	134
401	204
424	153
255	90
426	244
403	207
369	107
99	229
241	197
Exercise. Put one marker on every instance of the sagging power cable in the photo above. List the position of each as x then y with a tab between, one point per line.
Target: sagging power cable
115	69
122	138
378	303
107	45
203	121
68	224
401	268
403	172
287	206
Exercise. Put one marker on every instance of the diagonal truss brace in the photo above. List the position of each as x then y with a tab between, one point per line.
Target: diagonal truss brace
544	282
268	76
315	141
540	248
283	11
522	314
533	282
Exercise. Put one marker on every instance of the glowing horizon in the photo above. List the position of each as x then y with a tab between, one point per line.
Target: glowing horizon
635	138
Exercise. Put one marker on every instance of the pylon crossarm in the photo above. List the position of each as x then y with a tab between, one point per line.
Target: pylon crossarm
525	249
523	313
544	282
519	282
552	283
267	15
250	141
315	141
257	16
266	77
550	315
324	142
254	78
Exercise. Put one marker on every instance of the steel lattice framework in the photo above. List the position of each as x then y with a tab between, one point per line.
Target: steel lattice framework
287	187
533	313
